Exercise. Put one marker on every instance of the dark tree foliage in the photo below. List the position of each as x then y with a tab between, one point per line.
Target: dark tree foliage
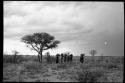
40	42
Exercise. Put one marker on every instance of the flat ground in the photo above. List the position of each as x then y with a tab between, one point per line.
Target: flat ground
102	69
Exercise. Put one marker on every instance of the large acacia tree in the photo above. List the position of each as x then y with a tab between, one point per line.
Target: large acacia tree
40	42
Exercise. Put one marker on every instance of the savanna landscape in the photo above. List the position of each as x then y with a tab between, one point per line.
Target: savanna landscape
28	69
63	41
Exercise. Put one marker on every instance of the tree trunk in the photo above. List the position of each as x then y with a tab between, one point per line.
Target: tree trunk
41	55
38	57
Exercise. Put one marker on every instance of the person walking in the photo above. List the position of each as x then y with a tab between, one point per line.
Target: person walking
57	58
62	57
71	57
65	57
82	58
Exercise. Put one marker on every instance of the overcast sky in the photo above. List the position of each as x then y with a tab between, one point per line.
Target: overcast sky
80	26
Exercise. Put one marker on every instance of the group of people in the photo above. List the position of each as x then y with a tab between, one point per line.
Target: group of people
67	57
64	57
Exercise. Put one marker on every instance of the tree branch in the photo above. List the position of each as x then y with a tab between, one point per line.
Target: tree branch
37	47
34	48
45	48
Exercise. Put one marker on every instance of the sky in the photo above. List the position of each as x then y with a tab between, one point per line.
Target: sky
80	26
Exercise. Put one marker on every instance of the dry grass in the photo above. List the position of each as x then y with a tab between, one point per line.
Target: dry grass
28	69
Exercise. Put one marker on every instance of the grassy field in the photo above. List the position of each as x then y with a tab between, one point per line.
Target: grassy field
28	69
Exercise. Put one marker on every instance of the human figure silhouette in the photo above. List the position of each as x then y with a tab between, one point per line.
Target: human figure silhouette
82	58
57	58
48	57
71	56
65	57
62	57
68	57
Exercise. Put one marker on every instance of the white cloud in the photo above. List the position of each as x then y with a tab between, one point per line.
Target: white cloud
67	21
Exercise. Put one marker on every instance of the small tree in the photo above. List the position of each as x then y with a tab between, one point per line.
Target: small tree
15	55
40	42
93	52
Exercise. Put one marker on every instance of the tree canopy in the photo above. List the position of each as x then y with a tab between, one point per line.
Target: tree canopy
40	42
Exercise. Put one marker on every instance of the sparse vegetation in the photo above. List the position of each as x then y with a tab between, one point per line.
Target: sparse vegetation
110	69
